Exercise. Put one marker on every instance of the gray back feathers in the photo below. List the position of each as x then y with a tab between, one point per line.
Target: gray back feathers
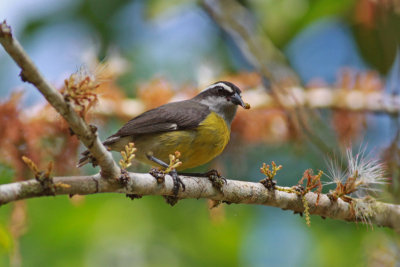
169	117
183	115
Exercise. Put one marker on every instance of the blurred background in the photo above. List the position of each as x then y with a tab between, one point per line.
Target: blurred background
146	53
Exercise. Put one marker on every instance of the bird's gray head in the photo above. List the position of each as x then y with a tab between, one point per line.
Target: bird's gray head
223	98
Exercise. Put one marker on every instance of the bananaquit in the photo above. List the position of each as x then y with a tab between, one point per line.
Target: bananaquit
199	128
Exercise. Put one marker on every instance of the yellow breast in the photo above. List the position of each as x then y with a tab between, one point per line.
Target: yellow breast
212	137
197	146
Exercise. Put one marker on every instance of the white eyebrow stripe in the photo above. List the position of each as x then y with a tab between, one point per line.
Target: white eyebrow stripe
226	87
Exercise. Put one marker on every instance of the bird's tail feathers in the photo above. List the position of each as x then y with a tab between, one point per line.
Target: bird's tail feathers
84	159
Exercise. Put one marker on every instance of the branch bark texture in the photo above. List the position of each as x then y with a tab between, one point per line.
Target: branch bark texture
379	213
29	73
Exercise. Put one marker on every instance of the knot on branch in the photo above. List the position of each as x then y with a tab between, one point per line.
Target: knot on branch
43	177
124	178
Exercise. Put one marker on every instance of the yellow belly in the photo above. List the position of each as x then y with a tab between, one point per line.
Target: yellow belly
197	146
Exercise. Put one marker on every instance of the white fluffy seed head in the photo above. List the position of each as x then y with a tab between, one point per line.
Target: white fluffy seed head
335	173
368	172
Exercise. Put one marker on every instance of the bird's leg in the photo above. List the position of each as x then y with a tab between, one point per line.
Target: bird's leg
158	174
158	161
213	175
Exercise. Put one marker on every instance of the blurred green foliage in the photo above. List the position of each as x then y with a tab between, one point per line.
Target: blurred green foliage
282	20
111	230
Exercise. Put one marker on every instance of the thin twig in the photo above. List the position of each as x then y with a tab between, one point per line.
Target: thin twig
87	134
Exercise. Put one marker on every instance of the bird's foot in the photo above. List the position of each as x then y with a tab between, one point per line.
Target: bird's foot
214	176
216	179
171	200
160	177
177	182
170	169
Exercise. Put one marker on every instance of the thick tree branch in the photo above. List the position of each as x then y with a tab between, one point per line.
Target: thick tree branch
381	214
85	133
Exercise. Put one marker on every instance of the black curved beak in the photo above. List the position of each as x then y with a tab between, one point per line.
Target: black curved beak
237	99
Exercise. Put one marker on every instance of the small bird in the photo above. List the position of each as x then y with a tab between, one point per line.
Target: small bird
199	128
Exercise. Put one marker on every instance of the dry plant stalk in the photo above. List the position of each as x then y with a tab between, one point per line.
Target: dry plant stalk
313	181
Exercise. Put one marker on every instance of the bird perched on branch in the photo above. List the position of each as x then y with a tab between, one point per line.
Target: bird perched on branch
199	128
